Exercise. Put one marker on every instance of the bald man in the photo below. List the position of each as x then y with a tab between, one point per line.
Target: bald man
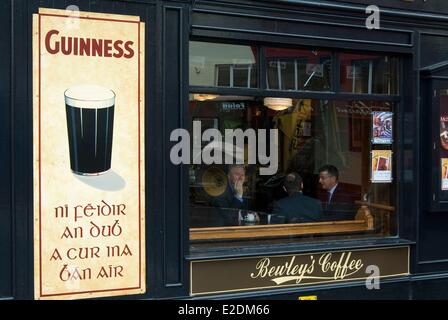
232	200
296	207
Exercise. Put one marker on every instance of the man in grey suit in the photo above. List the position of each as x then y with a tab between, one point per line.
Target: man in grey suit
296	207
232	201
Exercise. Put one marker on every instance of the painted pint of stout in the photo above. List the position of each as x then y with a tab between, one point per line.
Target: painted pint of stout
90	122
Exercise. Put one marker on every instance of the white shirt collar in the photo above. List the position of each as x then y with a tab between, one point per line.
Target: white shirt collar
332	189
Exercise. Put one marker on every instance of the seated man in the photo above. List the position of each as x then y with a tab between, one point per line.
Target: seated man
296	207
231	201
338	203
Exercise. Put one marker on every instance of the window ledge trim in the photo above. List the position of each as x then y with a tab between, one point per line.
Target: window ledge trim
298	248
257	92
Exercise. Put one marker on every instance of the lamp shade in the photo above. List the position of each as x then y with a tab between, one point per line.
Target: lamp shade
204	96
277	104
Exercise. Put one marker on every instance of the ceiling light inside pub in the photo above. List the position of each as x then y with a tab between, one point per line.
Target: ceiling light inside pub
204	96
277	104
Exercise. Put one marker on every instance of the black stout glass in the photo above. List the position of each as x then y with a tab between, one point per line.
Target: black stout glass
90	120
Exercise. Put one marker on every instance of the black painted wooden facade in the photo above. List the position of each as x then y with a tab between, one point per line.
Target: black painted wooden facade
417	30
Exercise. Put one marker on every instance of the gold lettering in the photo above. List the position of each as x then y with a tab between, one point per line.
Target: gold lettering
339	268
289	265
262	268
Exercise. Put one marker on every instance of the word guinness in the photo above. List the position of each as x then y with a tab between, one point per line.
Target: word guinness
87	46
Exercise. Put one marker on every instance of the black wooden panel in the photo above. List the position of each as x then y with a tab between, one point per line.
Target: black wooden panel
172	115
398	288
5	151
165	83
153	145
408	150
433	233
94	6
329	32
433	267
388	290
436	6
418	7
434	49
22	148
175	47
430	289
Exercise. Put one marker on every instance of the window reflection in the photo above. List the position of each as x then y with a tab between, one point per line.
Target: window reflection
292	69
236	66
369	74
223	65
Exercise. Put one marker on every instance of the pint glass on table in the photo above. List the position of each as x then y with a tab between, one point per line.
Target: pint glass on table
90	122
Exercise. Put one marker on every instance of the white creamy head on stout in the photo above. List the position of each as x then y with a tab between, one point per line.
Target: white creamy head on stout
89	97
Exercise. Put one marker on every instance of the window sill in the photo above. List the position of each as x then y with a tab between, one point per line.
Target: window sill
295	248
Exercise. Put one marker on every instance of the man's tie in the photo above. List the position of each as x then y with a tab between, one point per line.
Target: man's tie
329	199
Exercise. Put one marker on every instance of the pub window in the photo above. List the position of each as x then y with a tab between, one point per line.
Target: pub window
239	75
333	177
362	73
223	65
289	69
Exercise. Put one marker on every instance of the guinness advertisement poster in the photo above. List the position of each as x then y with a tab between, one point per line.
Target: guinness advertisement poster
269	272
88	118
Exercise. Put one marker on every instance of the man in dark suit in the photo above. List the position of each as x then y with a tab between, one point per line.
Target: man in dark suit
296	207
232	201
338	204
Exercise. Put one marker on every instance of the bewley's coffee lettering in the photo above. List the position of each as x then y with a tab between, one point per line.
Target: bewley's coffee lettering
56	43
330	268
251	273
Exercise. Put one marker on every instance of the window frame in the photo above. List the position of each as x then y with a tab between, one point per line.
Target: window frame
232	68
335	94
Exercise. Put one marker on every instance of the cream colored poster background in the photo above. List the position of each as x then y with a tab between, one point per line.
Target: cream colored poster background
60	242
